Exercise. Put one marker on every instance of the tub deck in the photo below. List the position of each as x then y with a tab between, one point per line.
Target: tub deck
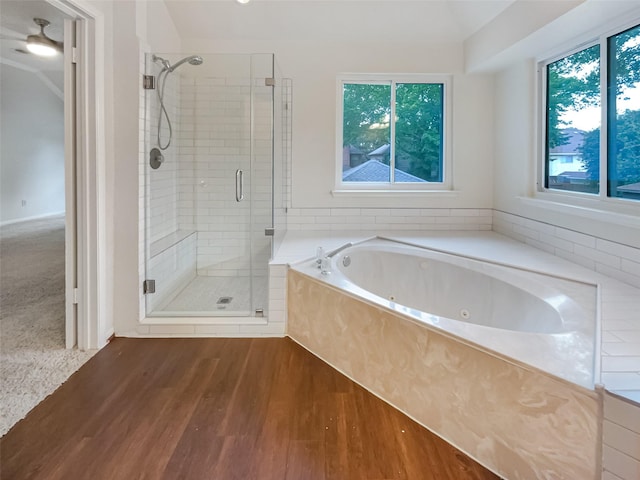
618	349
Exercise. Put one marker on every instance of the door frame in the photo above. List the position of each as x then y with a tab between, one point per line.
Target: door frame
70	187
93	329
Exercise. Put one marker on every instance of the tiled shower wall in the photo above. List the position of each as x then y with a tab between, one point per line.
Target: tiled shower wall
171	251
282	163
220	124
173	267
163	182
215	141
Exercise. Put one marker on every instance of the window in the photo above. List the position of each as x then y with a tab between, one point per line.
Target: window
605	157
391	132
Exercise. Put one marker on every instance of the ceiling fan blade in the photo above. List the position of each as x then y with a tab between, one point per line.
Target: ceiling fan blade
11	37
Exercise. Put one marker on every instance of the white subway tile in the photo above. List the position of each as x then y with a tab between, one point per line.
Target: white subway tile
272	329
617	348
631	267
403	212
556	242
576	237
330	220
350	212
314	211
463	212
540	245
378	212
621	380
621	364
613	272
597	255
217	330
171	329
610	476
619	250
435	212
526	232
620	464
610	337
622	439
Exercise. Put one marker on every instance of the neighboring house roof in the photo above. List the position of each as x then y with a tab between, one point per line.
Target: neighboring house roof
581	175
375	171
630	188
383	150
575	139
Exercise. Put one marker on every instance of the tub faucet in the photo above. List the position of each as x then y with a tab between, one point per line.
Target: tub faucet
333	253
323	260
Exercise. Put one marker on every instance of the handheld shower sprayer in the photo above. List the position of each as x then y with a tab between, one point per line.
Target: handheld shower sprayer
167	68
192	60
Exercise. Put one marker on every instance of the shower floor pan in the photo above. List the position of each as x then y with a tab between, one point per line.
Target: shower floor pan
212	296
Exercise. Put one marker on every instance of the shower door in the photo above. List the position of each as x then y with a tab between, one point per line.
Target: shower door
210	201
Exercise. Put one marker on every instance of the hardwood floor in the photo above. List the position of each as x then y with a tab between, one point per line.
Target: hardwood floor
221	409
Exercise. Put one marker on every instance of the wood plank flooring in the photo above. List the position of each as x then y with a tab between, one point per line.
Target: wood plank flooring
221	409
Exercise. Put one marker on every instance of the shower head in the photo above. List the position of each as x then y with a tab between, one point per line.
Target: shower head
166	66
192	60
165	63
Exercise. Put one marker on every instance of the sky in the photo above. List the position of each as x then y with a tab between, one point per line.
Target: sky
589	118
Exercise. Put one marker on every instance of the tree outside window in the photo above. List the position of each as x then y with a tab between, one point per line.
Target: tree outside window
573	109
392	132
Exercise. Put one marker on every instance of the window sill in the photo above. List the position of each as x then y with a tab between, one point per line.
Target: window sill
589	209
393	193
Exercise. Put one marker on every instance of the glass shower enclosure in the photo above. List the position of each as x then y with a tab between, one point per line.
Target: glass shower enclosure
214	173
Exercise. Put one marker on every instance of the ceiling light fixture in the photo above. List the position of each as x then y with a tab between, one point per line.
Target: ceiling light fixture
40	44
243	1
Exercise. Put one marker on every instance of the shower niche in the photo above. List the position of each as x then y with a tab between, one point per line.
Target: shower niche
215	138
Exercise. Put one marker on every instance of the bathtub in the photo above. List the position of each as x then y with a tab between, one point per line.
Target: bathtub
539	320
497	360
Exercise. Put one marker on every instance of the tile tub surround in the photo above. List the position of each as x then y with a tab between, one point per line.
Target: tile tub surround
517	421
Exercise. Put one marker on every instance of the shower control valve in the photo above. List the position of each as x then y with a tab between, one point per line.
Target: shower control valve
155	158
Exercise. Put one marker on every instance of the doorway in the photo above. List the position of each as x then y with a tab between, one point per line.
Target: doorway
37	164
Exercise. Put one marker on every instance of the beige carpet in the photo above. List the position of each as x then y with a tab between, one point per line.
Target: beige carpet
33	360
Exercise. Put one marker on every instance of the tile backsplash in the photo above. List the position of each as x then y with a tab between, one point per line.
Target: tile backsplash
612	259
376	219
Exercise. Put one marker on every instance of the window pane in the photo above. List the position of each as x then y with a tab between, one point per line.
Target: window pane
366	132
624	115
573	122
419	129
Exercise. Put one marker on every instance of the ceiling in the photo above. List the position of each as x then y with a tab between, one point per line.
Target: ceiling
16	22
335	21
327	21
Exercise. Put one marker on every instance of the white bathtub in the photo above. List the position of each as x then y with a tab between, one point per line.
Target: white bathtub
538	320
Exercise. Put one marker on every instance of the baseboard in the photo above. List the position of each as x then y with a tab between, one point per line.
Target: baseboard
26	219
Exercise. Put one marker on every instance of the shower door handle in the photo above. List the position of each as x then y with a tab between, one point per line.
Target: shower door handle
239	185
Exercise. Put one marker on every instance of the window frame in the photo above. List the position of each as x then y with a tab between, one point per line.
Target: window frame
389	187
601	200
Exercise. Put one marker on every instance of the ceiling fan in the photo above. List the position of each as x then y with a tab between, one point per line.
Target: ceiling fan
39	44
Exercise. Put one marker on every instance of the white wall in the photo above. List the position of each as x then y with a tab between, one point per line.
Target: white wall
139	27
126	220
313	69
32	146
